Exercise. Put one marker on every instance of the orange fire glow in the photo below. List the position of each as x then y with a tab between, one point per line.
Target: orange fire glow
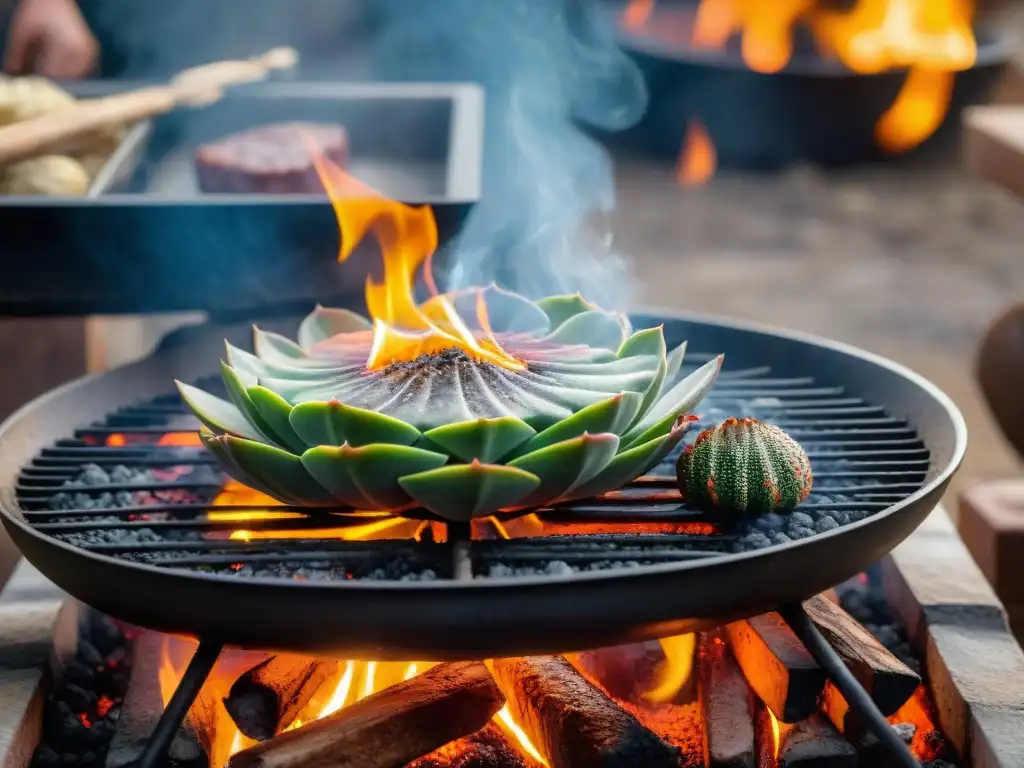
181	439
675	672
354	681
931	39
698	158
403	329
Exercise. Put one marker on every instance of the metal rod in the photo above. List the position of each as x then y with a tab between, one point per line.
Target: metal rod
854	693
198	670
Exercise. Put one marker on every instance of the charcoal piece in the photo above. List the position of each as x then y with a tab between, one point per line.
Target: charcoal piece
815	743
777	666
45	758
625	671
874	753
63	724
487	748
390	728
79	699
728	706
107	638
267	698
88	654
573	723
271	159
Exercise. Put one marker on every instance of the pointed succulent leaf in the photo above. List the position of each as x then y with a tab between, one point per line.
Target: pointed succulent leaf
650	341
461	492
275	412
679	400
628	466
281	473
561	308
675	362
217	414
215	444
564	466
596	328
367	477
334	423
238	392
325	322
275	348
486	440
507	312
613	415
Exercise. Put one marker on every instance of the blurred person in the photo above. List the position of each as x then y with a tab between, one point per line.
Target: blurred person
50	38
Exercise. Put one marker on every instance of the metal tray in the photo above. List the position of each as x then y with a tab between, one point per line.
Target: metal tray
147	240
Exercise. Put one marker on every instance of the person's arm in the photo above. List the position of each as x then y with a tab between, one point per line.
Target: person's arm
50	38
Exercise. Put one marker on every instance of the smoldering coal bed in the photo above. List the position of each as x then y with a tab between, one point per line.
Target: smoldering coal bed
106	697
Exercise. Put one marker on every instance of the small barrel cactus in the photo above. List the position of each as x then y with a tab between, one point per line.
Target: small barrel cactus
746	467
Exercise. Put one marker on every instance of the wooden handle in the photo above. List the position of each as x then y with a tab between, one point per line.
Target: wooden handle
53	131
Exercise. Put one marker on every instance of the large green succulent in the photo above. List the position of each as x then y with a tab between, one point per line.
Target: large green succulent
308	423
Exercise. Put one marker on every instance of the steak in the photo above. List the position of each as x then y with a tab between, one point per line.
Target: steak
270	159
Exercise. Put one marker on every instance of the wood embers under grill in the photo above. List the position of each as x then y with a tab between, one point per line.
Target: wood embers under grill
589	710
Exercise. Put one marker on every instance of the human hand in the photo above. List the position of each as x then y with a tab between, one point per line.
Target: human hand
50	38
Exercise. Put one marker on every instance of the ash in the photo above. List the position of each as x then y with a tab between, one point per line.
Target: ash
395	570
555	568
81	712
451	358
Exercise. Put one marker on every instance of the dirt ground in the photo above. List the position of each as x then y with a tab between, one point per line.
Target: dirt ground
908	262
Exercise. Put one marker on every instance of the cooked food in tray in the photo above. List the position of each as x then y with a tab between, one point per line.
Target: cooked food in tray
270	159
25	98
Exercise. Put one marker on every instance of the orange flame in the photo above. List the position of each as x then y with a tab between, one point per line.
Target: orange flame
679	655
402	328
766	29
698	158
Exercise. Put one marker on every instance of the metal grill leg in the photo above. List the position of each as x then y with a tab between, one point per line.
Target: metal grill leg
854	693
198	670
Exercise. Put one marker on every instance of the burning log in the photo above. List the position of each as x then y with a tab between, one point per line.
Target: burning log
777	666
814	742
390	728
728	707
890	682
572	723
487	748
269	697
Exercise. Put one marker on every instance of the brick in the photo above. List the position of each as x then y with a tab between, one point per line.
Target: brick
992	527
26	633
21	715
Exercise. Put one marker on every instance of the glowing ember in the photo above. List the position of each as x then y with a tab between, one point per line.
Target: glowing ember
403	329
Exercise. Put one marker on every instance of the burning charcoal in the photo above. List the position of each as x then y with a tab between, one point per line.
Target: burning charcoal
268	697
873	753
77	698
814	742
63	723
79	674
487	748
777	666
391	727
728	706
572	723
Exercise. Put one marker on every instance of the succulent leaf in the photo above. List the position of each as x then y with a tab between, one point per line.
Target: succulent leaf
275	412
486	440
275	348
461	492
367	477
564	466
561	308
217	414
334	423
745	467
596	328
674	362
650	341
215	445
281	473
237	391
679	400
613	416
629	465
323	323
507	311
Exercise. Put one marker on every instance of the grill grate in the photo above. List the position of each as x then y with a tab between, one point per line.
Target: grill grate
114	489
